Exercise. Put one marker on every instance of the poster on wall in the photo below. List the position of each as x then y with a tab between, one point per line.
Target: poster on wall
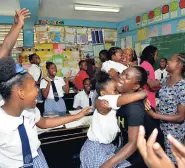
56	53
165	12
173	9
144	19
157	15
138	20
82	36
152	32
123	43
181	26
182	7
110	35
151	17
129	42
142	34
166	29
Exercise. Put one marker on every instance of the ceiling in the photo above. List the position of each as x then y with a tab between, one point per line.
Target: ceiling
64	9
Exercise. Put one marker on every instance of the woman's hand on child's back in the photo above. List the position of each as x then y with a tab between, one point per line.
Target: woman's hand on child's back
102	106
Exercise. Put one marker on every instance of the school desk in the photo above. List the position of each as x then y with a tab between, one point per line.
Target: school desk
61	146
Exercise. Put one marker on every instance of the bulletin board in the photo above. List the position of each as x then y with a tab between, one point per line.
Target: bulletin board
66	46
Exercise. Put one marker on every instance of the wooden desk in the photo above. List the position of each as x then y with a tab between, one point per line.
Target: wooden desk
62	146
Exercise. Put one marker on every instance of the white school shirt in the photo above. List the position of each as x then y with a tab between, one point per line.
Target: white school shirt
158	73
59	83
10	143
35	71
82	99
104	128
106	66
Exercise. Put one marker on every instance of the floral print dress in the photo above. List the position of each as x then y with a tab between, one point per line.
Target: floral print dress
170	98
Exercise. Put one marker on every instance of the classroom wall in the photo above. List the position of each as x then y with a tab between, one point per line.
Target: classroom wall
156	22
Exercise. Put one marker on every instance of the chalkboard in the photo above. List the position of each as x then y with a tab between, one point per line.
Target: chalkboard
168	45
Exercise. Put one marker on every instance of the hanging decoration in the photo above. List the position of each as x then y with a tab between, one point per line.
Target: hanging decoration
51	22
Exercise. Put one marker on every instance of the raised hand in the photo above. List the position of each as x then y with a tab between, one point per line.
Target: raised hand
21	15
68	75
152	152
178	151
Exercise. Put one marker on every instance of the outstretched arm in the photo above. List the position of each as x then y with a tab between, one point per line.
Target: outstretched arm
45	122
13	34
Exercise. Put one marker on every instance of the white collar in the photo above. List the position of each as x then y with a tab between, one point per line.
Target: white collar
14	122
35	65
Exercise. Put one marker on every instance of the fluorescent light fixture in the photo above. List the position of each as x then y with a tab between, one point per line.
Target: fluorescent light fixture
95	8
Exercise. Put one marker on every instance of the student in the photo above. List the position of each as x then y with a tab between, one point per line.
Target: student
82	74
35	69
148	58
53	88
36	72
104	128
103	56
171	108
115	54
19	143
84	98
161	73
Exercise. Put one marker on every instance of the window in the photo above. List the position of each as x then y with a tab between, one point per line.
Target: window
4	29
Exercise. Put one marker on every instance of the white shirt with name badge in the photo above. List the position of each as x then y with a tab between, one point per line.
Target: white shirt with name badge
106	66
59	83
104	128
10	143
35	71
82	99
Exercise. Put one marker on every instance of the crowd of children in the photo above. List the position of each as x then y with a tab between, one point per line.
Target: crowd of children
124	97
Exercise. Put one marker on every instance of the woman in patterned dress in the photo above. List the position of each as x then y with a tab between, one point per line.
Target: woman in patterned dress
171	108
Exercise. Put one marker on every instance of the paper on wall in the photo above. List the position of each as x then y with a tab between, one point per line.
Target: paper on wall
123	43
129	42
166	29
142	34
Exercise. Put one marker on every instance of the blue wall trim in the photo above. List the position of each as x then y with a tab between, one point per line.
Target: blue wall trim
84	23
69	22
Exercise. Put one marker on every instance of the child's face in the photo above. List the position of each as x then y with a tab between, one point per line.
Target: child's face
35	59
52	70
102	58
163	63
29	96
110	89
87	85
83	66
117	56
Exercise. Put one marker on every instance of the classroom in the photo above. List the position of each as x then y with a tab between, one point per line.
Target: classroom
92	84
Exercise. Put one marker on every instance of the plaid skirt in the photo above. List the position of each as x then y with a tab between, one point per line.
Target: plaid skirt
52	107
94	154
39	161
